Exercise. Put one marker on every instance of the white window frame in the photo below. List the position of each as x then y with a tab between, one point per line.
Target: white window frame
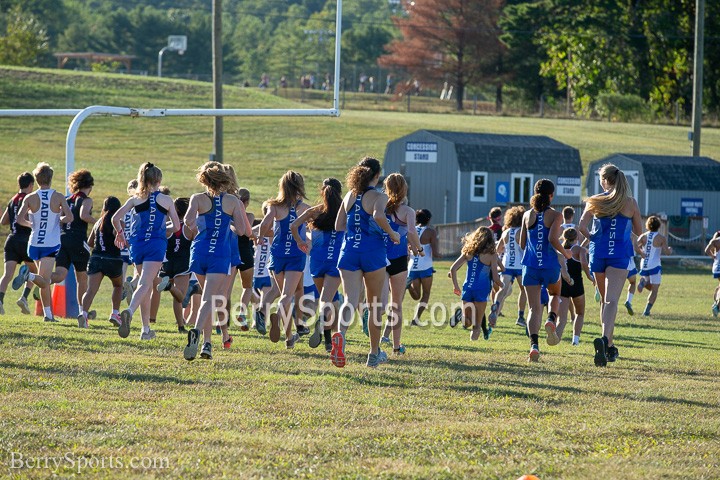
632	178
473	197
514	176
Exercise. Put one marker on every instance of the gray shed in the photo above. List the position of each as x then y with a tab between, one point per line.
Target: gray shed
674	185
460	176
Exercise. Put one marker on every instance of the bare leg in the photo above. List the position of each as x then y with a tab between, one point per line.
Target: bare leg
81	279
351	282
94	281
142	296
613	286
562	315
154	299
291	281
116	296
397	294
58	275
8	275
426	284
536	309
579	303
180	284
373	289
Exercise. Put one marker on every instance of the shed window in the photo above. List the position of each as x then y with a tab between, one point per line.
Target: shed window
478	186
521	185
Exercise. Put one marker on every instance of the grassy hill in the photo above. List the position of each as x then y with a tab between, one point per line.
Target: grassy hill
261	148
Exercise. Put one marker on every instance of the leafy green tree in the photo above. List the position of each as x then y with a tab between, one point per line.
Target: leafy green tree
25	39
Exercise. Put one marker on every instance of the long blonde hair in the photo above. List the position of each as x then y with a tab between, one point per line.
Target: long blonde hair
478	242
148	175
217	178
611	204
291	188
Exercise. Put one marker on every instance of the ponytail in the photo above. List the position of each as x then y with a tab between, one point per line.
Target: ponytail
611	204
148	176
359	177
541	200
396	189
331	193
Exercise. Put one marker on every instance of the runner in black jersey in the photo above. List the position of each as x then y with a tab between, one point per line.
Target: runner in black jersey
16	244
105	261
73	237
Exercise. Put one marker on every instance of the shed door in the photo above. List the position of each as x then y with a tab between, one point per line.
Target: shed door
632	178
521	187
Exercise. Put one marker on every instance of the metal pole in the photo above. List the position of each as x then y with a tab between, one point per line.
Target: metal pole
160	57
698	77
217	77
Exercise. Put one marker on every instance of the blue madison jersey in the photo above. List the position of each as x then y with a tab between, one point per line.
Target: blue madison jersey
610	237
362	233
283	244
400	250
538	252
477	276
148	223
214	234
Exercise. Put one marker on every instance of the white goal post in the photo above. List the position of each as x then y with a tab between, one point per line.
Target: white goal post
80	115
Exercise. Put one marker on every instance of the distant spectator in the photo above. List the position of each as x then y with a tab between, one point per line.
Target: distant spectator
264	81
495	218
388	84
363	81
283	82
371	84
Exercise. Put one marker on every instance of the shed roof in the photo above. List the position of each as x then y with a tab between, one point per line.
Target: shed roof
668	172
513	153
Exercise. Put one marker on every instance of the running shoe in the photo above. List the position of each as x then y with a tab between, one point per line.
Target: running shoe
92	314
274	328
24	306
382	356
365	318
290	342
456	318
182	330
534	354
715	310
487	333
385	340
520	322
127	290
302	330
164	284
82	321
36	293
612	353
115	319
475	334
190	351
21	278
50	320
206	352
149	335
600	352
372	360
628	305
552	338
337	352
400	350
125	319
317	336
492	318
228	343
260	322
193	288
242	320
641	284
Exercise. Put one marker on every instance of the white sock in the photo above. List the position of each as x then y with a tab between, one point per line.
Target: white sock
48	312
576	338
116	312
85	313
630	297
146	329
31	276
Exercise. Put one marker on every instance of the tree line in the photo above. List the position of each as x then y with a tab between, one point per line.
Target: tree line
614	58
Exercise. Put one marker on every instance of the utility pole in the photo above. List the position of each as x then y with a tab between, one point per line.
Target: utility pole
217	78
698	77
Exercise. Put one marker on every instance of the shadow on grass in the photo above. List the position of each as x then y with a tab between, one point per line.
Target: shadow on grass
132	377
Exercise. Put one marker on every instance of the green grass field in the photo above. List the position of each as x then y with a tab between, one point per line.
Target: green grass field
450	408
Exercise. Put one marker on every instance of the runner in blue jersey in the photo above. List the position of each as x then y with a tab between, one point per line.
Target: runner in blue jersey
324	250
614	216
540	241
402	220
44	210
16	243
288	261
147	242
479	253
363	256
210	214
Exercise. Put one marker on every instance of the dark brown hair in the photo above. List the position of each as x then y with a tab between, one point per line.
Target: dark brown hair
359	177
79	180
513	216
25	179
291	187
543	189
423	216
652	223
569	237
331	193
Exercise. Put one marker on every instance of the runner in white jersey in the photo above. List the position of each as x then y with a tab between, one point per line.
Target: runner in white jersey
43	211
263	283
129	283
632	285
713	250
653	245
420	269
512	254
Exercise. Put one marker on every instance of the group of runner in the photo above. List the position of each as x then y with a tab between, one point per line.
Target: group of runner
368	240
